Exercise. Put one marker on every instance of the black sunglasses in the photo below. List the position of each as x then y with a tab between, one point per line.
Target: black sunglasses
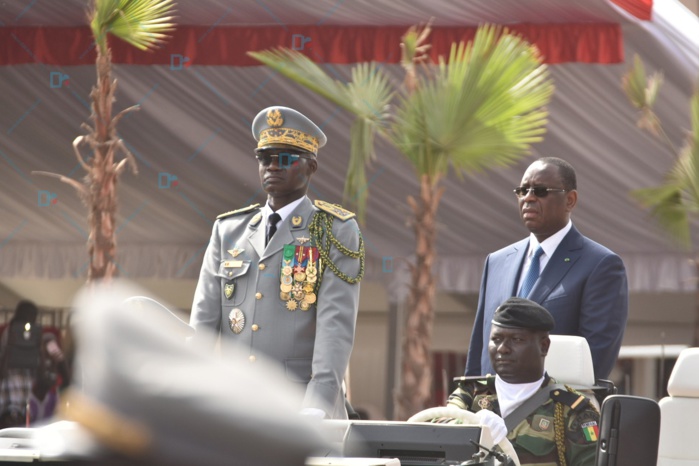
286	159
539	191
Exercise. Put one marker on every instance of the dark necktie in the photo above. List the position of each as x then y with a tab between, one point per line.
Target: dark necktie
272	226
532	274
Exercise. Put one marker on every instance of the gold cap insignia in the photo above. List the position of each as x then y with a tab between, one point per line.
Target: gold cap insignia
275	118
289	136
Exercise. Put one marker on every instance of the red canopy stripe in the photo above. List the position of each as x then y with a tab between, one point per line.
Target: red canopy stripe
641	9
199	45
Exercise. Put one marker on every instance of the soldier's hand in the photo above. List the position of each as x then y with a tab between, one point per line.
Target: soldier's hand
496	424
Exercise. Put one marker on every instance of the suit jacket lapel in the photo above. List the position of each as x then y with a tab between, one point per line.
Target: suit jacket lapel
511	276
256	237
563	260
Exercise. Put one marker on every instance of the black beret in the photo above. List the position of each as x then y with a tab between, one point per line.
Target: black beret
523	313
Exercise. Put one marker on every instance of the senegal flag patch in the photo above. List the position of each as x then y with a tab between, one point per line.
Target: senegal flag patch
591	431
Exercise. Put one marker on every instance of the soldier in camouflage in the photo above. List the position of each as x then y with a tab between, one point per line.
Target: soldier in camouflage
561	431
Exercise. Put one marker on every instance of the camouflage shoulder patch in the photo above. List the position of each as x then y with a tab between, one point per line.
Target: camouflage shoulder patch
334	209
244	210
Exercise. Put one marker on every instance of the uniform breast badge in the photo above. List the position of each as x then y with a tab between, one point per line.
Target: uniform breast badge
485	403
235	252
228	290
299	273
236	320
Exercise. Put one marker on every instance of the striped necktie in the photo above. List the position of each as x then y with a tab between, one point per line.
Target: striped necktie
532	274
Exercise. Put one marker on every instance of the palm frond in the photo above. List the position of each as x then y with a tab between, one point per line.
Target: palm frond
145	24
634	83
485	107
302	70
677	199
370	93
666	205
642	92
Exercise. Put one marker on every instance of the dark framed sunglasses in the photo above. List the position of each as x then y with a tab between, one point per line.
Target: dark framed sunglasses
286	159
539	191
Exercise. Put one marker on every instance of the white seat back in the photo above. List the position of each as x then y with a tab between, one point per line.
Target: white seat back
569	361
679	431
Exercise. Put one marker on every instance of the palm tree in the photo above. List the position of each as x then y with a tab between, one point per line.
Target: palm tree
481	107
676	200
144	24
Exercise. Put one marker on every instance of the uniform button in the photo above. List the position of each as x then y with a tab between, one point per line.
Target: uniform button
261	266
230	274
255	327
252	358
258	295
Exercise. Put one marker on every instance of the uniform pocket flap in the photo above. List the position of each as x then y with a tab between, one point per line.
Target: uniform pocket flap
232	269
537	438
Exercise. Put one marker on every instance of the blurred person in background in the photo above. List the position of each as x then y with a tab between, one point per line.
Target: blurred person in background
20	359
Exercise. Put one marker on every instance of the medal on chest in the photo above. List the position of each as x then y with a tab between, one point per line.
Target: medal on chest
298	277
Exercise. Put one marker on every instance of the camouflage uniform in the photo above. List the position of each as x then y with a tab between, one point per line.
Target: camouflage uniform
534	438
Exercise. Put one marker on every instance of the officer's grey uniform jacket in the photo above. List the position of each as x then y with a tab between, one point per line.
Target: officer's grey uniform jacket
314	346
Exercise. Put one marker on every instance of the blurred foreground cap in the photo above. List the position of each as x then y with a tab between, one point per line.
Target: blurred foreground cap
523	313
169	322
145	395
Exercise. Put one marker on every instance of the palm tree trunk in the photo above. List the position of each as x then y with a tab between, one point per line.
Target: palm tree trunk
102	177
696	306
416	374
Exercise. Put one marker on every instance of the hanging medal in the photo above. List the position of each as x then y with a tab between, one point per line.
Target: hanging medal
286	279
299	273
311	278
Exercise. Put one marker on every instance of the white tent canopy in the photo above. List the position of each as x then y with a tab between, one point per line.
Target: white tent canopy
194	149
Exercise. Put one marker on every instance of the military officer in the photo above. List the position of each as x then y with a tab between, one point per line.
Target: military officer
560	430
282	280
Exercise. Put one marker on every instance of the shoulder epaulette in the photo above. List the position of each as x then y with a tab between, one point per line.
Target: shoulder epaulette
479	383
475	378
334	209
575	400
244	210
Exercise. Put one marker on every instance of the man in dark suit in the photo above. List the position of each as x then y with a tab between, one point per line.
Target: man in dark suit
582	283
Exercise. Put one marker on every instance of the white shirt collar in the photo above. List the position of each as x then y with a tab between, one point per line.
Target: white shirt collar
549	245
511	395
284	212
